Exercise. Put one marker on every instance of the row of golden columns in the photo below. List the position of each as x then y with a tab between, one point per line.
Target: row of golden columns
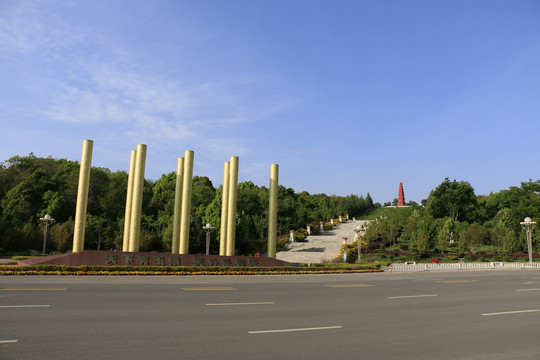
182	203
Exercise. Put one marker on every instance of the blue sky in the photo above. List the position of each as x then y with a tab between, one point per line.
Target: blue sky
348	97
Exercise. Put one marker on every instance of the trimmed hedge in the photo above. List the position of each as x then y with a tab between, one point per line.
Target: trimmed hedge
181	270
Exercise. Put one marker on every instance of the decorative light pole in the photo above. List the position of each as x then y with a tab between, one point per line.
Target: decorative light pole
528	225
46	220
208	228
358	240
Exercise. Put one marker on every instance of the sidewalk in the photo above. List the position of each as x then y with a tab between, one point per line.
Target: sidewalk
319	248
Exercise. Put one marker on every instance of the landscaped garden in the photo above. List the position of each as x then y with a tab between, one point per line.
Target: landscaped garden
454	224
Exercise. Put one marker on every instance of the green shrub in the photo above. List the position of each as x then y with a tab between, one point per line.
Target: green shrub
282	241
23	257
352	253
315	229
300	235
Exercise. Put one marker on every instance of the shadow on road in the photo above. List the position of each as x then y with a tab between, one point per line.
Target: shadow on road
313	249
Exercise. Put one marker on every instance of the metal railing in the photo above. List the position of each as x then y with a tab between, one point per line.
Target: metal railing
462	266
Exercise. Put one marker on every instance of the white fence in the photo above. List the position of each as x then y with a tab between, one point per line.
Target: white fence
408	266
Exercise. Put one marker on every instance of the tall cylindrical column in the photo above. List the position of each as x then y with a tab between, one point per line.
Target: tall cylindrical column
82	196
272	211
175	246
231	209
224	210
136	204
186	202
129	198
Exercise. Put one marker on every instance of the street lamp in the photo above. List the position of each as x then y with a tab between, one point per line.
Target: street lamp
208	228
358	239
46	220
528	225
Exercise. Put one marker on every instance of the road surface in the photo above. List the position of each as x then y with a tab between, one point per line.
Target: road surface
450	315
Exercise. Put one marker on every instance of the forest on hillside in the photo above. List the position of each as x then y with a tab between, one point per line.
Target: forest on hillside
31	187
455	221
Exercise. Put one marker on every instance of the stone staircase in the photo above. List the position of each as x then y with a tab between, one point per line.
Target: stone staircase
320	248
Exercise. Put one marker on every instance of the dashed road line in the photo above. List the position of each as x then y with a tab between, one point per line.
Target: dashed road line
510	312
527	289
294	330
240	304
24	306
210	289
34	289
412	296
457	281
8	341
349	285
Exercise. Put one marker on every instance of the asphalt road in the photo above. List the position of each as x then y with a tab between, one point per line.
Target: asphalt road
450	315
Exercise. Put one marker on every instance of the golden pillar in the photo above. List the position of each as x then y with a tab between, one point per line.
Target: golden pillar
82	196
231	208
136	202
186	202
175	246
224	210
272	211
129	198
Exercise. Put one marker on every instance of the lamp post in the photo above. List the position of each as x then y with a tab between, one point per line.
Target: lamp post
358	240
46	220
528	225
208	228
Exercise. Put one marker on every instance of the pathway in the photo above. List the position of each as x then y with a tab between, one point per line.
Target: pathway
319	248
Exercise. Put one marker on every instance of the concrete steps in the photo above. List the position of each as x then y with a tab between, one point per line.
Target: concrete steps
320	248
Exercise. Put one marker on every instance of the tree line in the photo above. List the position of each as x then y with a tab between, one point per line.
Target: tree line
455	220
31	187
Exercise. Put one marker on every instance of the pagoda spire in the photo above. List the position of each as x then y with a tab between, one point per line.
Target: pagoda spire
401	196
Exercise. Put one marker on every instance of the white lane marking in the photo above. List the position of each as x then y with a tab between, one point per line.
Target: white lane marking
246	303
49	282
528	290
25	306
509	312
34	289
411	296
429	279
293	330
8	341
527	283
185	282
225	288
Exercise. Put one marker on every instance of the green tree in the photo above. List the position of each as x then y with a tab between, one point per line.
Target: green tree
454	199
471	238
510	242
445	233
420	242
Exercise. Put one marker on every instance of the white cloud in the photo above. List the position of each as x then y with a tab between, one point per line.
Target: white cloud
218	148
28	27
88	79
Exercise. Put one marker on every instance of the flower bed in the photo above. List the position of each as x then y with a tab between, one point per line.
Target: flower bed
180	271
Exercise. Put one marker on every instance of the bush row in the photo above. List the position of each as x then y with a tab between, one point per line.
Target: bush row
181	270
400	256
